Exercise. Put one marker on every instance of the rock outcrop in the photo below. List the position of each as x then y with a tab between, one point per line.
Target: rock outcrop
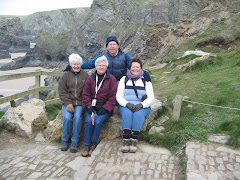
155	41
54	128
12	37
184	67
111	129
84	30
28	119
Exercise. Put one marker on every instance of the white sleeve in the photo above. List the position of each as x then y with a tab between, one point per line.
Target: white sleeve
120	92
150	95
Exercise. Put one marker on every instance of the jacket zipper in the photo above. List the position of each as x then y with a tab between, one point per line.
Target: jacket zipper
76	88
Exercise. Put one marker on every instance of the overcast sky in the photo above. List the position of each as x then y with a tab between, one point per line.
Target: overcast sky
26	7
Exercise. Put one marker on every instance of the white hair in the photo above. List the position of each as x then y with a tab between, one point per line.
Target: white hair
100	59
75	58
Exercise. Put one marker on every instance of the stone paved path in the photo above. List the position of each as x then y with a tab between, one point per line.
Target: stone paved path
108	162
212	162
43	160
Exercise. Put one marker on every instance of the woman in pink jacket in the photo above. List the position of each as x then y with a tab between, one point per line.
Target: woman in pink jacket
99	99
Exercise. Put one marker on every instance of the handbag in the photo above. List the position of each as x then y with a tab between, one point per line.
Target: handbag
99	104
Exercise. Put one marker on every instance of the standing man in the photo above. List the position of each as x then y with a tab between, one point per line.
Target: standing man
118	60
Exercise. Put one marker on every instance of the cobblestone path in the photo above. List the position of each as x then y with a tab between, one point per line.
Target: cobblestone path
44	160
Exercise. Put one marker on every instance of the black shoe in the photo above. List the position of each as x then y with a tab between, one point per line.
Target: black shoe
73	148
64	146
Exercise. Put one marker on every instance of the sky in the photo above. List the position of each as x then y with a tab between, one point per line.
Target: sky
26	7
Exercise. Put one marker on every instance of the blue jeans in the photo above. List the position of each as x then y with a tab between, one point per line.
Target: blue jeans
76	118
133	120
92	132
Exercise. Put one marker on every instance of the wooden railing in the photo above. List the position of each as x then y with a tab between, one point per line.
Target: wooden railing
35	90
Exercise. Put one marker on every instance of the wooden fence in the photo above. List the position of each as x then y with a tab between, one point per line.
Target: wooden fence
35	90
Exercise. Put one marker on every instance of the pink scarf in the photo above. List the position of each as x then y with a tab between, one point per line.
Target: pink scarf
135	77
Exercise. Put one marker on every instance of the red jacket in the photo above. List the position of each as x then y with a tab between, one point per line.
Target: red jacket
107	91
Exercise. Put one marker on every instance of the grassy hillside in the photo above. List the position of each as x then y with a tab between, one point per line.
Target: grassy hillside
214	81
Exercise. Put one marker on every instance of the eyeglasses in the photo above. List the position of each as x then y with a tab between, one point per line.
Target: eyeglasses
101	66
76	64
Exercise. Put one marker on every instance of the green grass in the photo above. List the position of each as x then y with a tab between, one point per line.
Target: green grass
53	110
2	126
214	81
231	128
1	114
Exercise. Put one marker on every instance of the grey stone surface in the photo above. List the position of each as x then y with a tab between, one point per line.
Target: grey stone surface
217	164
44	160
219	138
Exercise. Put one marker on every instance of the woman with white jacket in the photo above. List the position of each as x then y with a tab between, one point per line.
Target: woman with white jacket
134	95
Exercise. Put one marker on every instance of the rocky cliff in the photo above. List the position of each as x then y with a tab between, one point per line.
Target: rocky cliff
146	29
12	37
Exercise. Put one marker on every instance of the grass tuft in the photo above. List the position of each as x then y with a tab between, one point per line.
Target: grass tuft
231	128
1	114
53	110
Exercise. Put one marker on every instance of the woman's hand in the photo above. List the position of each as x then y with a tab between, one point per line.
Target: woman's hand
138	107
102	111
70	108
131	106
90	110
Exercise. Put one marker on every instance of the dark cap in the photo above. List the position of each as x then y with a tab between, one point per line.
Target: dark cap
111	38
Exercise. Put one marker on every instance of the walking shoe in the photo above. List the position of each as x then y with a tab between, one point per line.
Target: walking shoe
92	147
73	148
133	146
125	145
85	151
64	145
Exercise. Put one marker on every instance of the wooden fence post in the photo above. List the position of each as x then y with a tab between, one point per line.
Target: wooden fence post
37	84
13	104
177	103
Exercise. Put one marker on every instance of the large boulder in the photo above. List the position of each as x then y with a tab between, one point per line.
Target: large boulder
111	129
28	119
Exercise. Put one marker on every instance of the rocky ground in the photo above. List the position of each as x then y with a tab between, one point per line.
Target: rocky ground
10	140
